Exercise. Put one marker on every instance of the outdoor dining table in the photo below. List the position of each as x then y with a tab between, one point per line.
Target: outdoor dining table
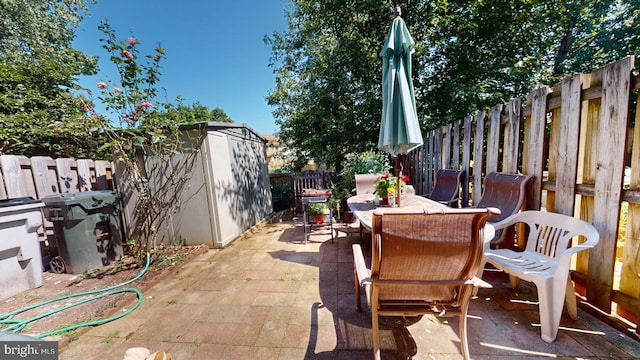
364	205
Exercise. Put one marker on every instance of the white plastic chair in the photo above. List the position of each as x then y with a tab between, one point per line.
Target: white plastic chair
545	261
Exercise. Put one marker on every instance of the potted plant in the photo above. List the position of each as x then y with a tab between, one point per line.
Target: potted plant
386	184
318	213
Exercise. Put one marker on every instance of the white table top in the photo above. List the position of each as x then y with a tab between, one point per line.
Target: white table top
363	206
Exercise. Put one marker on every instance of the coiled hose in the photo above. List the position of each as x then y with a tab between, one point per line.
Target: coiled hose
17	325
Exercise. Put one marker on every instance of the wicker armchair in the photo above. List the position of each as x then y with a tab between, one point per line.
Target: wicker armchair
365	184
506	192
446	189
422	263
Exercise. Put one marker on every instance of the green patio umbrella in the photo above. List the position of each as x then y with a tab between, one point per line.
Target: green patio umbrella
399	127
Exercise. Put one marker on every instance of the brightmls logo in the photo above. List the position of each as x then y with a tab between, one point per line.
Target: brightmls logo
36	350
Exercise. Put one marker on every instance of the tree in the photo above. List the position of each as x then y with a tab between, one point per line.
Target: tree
39	115
327	92
196	112
469	56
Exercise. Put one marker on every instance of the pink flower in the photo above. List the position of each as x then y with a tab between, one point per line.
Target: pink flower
86	107
117	90
102	85
146	104
132	41
126	54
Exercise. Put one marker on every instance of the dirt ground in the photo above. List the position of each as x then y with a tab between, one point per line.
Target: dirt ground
58	285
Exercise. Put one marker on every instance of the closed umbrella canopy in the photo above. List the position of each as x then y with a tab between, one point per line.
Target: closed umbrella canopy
399	127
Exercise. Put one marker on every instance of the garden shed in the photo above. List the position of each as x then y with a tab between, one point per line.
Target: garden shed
228	188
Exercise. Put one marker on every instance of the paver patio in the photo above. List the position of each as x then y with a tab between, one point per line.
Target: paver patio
269	296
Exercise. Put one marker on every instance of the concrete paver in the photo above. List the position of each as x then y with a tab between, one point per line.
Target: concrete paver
269	296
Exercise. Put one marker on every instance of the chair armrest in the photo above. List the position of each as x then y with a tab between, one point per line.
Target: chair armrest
363	274
513	219
489	232
588	244
480	283
475	281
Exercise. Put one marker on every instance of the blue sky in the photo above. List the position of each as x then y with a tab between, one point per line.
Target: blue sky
215	50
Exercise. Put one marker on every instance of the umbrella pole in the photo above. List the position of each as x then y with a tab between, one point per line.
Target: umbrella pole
398	169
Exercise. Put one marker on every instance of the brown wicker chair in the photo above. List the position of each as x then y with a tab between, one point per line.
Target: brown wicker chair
446	189
422	263
365	184
506	192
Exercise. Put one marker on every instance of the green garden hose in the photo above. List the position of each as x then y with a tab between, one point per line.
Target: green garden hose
17	325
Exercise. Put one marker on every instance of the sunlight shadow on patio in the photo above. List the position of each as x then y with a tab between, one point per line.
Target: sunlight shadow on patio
350	331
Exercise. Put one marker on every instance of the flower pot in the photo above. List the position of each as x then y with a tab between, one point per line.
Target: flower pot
319	219
348	217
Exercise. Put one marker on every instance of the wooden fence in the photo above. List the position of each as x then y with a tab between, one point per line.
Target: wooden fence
576	138
42	176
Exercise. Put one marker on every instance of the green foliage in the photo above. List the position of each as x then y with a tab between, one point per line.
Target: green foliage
196	112
314	209
281	195
364	163
326	65
470	55
39	115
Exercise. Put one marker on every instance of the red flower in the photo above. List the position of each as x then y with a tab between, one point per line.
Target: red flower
405	178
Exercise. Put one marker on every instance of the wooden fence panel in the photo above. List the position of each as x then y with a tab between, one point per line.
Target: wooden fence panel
86	177
612	129
478	156
104	175
466	159
44	174
533	153
573	142
630	270
552	156
436	162
510	154
493	139
17	176
445	147
455	145
568	141
67	175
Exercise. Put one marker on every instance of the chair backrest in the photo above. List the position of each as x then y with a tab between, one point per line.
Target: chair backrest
365	183
416	246
505	192
551	233
447	185
306	180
